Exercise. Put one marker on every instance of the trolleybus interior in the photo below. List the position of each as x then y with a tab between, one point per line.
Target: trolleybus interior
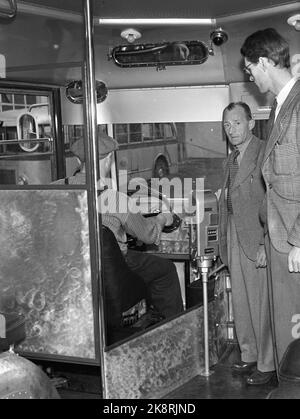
163	72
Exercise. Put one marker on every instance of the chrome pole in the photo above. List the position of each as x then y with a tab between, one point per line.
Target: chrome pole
92	171
203	265
205	314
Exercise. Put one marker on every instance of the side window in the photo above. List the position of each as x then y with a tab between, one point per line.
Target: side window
26	116
71	134
6	102
147	132
170	131
27	139
121	133
158	131
135	133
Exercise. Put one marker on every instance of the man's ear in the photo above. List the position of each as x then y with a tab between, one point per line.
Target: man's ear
262	62
266	62
251	124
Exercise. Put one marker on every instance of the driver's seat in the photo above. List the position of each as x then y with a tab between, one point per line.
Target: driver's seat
125	291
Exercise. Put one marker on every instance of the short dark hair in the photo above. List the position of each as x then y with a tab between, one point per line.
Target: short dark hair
267	43
243	105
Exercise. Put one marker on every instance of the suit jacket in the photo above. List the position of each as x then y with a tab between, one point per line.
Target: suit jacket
248	192
281	171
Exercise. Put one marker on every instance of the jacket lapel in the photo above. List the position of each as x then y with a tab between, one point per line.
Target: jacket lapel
277	131
248	162
222	199
271	141
226	177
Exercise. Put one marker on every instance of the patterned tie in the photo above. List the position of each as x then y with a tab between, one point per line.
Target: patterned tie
271	118
233	169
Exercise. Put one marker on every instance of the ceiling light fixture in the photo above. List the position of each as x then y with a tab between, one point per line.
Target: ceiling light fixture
159	21
131	35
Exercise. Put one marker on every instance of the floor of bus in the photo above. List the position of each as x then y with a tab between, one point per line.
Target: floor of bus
221	384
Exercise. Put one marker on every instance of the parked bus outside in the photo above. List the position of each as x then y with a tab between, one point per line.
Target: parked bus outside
146	150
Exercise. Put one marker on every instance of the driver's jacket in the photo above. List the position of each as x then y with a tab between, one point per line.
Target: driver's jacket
121	215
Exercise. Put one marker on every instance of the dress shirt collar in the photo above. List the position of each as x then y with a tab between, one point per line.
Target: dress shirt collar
283	94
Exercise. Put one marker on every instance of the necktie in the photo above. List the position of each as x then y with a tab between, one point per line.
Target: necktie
233	169
271	118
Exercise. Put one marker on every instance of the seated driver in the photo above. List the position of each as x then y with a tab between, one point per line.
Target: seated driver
159	274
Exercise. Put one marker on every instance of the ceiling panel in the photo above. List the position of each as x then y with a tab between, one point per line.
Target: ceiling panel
53	49
69	5
179	8
162	8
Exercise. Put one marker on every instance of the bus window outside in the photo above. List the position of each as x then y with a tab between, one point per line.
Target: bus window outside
26	139
146	150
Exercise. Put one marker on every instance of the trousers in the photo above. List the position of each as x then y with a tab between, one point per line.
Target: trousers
284	288
161	279
251	306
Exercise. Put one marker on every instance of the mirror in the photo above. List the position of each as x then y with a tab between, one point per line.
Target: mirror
161	54
8	10
74	91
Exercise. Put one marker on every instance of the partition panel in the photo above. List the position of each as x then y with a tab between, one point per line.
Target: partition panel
45	271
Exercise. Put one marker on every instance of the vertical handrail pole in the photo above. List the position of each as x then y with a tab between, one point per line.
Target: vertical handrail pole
92	171
205	311
203	264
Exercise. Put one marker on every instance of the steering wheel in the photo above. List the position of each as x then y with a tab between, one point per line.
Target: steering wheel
174	226
167	229
155	210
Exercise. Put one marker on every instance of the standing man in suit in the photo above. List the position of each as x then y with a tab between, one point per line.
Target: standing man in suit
267	61
241	245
